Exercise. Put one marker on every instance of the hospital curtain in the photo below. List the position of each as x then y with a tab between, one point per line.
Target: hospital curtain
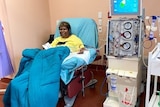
6	31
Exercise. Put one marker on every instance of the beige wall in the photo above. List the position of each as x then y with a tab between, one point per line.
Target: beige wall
31	21
151	9
77	8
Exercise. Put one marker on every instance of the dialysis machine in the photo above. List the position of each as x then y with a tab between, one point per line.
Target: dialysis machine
123	52
124	38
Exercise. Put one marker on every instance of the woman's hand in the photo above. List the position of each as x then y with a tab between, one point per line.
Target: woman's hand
81	51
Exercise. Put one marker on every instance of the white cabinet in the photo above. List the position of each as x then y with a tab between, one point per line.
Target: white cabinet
128	81
132	64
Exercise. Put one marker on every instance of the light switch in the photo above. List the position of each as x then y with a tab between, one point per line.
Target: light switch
57	22
100	15
100	22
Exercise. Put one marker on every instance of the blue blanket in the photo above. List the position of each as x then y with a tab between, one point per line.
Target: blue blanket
37	81
69	66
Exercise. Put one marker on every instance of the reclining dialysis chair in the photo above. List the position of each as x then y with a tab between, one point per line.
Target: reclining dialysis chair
86	30
37	82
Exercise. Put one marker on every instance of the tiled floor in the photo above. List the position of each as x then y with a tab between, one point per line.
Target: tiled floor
94	97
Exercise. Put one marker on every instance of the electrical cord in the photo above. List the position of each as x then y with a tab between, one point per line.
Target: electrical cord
143	44
101	88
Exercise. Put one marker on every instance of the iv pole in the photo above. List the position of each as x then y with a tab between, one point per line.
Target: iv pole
140	31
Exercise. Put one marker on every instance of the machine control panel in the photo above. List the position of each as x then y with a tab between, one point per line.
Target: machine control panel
123	37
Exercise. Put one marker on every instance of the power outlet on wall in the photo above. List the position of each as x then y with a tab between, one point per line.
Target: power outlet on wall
99	29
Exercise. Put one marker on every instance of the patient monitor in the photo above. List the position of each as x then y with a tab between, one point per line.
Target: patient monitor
125	7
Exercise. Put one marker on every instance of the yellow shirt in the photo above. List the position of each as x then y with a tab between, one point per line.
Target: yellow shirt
72	42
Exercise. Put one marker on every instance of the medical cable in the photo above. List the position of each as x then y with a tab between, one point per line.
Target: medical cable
158	18
101	88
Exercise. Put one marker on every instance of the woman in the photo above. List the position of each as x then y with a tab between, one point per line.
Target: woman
68	39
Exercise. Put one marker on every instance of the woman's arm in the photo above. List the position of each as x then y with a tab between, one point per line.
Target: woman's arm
81	50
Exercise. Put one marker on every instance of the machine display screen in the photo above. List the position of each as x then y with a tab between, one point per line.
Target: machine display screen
125	7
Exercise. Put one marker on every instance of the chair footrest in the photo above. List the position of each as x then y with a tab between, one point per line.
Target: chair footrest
91	82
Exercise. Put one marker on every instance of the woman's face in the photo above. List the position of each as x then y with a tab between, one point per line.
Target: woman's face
64	32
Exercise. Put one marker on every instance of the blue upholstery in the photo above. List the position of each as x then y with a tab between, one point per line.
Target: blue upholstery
84	28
